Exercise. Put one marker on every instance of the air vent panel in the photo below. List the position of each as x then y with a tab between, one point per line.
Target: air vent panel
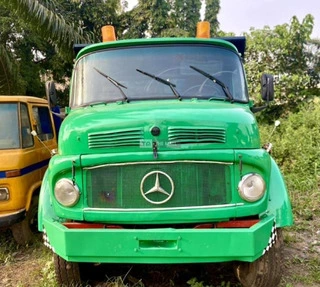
196	135
123	138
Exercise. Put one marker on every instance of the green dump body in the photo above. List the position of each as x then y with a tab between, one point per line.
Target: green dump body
156	153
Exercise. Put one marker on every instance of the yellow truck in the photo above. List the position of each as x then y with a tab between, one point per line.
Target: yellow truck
27	140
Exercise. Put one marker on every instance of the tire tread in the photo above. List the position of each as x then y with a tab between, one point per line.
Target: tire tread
265	271
67	273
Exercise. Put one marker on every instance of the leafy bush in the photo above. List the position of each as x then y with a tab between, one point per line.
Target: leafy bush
297	151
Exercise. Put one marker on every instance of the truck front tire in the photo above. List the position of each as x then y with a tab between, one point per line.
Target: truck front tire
67	273
265	271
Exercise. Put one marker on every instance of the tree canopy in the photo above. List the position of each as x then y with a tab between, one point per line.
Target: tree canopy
37	37
288	53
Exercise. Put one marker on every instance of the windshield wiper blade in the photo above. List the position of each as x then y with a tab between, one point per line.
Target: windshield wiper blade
114	82
215	80
163	81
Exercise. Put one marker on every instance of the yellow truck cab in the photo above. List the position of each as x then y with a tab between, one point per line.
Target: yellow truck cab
27	139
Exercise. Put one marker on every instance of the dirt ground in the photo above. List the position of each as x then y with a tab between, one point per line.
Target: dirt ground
31	266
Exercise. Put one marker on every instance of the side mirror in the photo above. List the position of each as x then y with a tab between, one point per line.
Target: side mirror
51	93
267	92
267	87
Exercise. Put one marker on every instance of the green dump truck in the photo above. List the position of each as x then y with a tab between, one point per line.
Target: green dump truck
160	162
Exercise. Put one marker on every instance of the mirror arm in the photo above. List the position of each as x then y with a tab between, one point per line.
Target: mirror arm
258	109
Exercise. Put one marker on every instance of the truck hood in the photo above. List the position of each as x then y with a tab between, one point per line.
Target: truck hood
168	124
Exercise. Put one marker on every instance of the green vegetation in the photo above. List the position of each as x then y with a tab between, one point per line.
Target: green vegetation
284	52
297	151
29	265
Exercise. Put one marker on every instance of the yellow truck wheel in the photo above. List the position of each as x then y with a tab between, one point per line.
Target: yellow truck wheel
23	231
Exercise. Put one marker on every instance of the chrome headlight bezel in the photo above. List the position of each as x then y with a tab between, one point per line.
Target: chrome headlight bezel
252	187
66	192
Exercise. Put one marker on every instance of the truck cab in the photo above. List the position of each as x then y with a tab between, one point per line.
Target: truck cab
160	162
27	136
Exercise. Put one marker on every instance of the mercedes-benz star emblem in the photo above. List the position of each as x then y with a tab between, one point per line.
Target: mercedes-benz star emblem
158	176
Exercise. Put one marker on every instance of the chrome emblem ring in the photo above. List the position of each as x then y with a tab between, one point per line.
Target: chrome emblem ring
158	177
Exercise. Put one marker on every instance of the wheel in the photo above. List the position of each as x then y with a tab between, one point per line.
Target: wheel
23	231
67	273
265	271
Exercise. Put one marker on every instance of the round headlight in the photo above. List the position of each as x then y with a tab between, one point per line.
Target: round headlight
4	193
66	192
252	187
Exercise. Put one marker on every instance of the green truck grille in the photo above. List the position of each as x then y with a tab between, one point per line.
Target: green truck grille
158	185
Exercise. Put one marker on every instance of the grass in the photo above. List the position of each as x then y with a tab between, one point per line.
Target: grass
302	253
33	263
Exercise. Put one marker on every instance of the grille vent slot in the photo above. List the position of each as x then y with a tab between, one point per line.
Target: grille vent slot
123	138
196	135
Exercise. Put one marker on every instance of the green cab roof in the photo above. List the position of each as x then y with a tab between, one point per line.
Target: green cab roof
237	44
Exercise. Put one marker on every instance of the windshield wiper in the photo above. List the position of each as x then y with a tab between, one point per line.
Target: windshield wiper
163	81
215	80
114	82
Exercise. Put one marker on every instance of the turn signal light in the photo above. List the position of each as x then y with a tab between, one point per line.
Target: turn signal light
13	173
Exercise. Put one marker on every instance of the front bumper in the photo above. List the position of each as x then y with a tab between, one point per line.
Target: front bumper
163	245
8	219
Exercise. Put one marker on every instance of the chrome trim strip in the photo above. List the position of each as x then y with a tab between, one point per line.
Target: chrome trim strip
158	162
13	213
163	209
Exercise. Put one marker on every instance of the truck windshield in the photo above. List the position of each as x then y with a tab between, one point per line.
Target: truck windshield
9	126
115	74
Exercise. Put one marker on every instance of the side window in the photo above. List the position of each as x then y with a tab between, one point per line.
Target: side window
44	125
9	126
27	138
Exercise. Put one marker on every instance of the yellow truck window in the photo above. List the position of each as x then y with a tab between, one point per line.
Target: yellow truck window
9	128
44	125
27	138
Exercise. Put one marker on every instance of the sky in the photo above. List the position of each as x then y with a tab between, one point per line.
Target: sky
239	15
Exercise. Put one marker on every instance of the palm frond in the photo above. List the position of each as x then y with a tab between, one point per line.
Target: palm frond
47	22
8	73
